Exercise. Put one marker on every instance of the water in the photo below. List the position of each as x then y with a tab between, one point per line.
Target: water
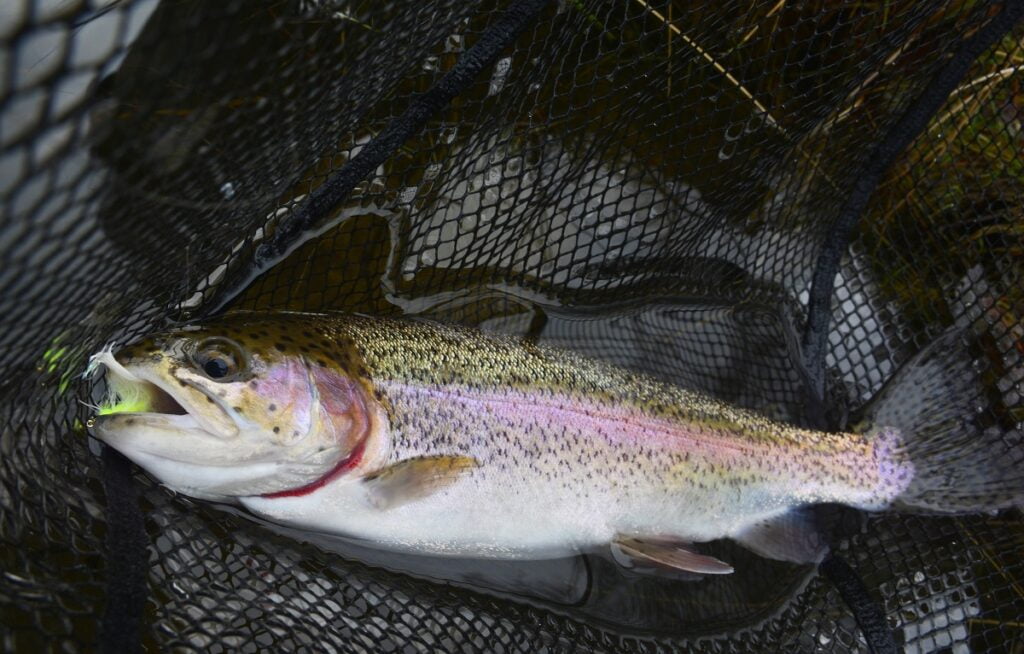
593	587
525	224
742	353
633	303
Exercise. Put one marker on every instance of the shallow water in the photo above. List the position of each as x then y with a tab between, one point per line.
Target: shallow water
738	353
482	224
595	588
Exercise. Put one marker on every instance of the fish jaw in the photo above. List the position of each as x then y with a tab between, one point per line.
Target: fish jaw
151	393
187	459
265	478
190	440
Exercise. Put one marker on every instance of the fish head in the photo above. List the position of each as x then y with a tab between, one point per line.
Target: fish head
217	413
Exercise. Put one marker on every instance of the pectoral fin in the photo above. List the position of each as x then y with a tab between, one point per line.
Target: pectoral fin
413	479
790	537
667	553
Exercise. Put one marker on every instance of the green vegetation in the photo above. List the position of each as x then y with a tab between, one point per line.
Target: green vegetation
952	203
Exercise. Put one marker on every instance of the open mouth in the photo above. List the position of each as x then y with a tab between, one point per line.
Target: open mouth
139	397
144	394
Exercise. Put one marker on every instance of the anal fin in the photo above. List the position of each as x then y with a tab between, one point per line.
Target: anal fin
792	537
416	478
667	553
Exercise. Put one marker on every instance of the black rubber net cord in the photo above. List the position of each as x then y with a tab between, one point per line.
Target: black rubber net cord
913	121
323	201
127	558
127	553
869	615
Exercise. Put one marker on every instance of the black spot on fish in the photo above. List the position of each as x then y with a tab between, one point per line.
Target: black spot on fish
321	363
272	407
279	347
183	383
295	432
237	409
277	430
209	399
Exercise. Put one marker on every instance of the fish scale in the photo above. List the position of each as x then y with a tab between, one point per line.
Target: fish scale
605	451
439	439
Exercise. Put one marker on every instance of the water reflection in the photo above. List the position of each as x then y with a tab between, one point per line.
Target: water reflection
739	353
595	588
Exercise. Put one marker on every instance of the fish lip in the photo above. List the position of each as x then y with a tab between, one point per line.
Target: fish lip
116	368
187	405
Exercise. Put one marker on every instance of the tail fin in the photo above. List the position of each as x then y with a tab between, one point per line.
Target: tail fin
960	466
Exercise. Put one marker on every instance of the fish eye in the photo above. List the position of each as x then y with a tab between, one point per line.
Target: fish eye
216	367
220	359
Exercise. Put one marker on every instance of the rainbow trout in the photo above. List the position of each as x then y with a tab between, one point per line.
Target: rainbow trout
437	439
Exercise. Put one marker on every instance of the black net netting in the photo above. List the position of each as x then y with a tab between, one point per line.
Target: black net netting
777	203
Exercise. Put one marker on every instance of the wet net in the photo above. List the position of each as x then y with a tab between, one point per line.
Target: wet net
777	203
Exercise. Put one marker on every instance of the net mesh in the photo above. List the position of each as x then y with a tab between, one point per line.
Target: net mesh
649	182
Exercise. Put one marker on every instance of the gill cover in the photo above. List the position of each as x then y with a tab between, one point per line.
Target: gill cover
215	417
